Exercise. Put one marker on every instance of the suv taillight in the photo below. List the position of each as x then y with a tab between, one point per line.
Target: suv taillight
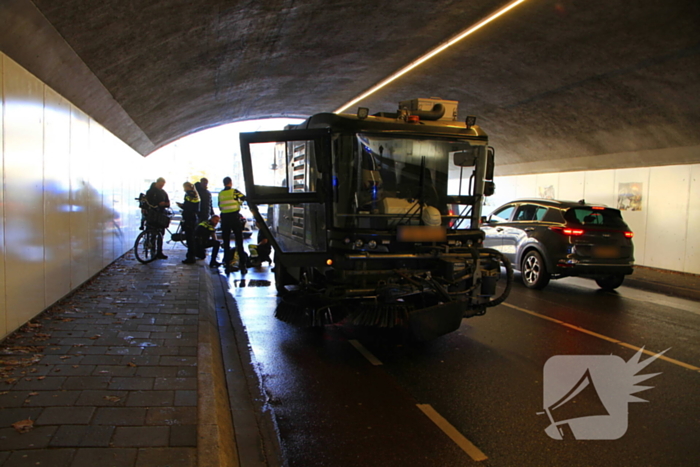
629	234
568	231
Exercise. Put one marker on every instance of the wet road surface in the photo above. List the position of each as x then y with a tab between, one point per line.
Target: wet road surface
349	396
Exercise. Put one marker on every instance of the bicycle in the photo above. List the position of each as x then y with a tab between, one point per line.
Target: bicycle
146	244
153	226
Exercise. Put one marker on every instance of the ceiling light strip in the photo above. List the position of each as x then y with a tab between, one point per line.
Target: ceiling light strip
432	53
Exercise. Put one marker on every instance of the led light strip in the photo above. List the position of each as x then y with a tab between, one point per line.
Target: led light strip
431	54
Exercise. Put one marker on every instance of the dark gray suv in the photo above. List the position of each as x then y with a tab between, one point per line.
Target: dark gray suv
547	239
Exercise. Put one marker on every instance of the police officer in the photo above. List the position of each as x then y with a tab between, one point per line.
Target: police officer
205	237
230	202
205	208
190	209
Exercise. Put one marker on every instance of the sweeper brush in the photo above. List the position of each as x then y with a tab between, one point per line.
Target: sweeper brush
309	310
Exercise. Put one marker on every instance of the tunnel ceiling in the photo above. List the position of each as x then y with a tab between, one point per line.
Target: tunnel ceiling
558	85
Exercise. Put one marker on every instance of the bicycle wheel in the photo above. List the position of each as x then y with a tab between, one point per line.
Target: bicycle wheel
145	245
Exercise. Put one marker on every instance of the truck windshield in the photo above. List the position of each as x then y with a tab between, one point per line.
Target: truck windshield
384	181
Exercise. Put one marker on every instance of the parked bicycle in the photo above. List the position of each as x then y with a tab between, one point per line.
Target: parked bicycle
154	222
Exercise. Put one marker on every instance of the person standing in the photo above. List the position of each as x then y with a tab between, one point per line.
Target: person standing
206	210
190	209
230	202
158	199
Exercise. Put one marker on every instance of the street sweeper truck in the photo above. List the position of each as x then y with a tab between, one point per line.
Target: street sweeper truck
375	219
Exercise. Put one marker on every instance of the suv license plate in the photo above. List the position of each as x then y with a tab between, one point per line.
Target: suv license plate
606	252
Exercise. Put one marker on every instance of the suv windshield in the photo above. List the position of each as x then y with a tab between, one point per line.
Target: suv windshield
594	216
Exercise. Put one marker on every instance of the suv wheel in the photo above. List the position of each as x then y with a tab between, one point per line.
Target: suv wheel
610	282
534	272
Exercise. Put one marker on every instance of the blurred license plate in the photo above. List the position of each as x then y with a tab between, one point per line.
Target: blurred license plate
419	233
606	252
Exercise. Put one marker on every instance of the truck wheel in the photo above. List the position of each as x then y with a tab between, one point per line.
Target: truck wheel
534	272
610	282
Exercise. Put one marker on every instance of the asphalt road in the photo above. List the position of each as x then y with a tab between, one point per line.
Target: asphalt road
345	396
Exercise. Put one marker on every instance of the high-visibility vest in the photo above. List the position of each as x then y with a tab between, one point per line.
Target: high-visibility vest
205	225
191	199
230	200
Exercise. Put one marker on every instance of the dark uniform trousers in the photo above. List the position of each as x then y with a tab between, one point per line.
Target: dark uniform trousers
231	221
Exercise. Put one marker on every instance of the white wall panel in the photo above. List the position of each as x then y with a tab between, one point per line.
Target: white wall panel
79	187
3	308
692	248
56	195
636	219
506	188
547	186
526	186
120	175
598	187
112	185
667	220
96	214
23	198
571	186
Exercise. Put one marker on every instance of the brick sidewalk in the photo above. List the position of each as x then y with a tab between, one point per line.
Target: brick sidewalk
108	376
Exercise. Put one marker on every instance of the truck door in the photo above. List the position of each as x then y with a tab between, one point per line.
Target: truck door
285	173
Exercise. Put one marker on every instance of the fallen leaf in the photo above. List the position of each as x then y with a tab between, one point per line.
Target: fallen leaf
96	336
23	426
113	398
41	377
131	364
64	357
33	393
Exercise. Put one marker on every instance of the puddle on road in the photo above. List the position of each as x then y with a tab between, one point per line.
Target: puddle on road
251	283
